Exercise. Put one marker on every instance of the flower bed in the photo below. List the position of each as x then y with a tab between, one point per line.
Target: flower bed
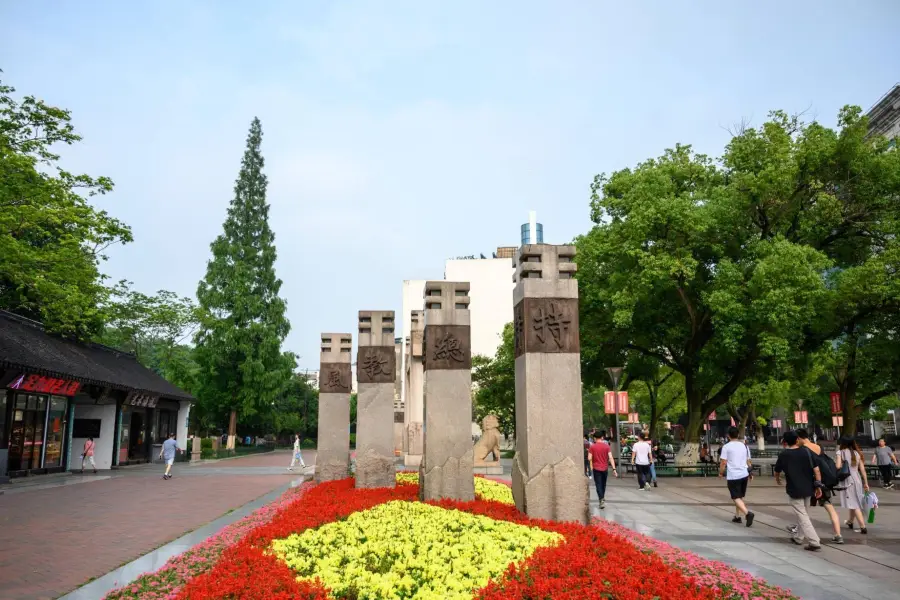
729	581
342	543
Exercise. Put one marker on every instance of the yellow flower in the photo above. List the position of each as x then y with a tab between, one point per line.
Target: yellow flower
484	488
408	550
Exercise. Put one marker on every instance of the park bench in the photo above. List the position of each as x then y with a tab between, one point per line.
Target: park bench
700	469
873	472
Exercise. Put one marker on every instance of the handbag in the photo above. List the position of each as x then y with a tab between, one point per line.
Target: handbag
844	472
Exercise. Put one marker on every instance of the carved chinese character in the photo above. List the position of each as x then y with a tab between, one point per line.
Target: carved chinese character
553	320
374	365
335	380
448	347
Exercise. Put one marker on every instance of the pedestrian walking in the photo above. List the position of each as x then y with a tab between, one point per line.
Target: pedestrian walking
885	459
804	482
734	465
587	459
642	458
854	487
655	448
828	491
88	453
169	448
601	459
297	455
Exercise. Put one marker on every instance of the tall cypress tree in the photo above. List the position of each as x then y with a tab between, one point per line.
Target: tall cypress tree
243	323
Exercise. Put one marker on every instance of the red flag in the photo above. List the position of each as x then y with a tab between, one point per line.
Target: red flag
623	402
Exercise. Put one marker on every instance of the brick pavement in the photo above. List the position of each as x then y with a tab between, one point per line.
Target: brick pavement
54	540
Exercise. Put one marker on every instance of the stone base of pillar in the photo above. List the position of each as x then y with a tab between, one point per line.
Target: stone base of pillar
334	469
453	480
375	470
557	493
412	460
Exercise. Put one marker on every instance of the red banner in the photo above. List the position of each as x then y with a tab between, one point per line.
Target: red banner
836	402
609	405
45	385
837	421
800	417
776	423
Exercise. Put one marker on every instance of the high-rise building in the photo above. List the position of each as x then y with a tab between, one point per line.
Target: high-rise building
884	116
491	306
532	231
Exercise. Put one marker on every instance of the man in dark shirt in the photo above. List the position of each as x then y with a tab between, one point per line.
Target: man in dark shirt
804	481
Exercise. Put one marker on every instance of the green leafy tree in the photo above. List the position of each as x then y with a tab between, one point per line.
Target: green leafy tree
148	326
728	270
242	318
494	382
296	409
52	238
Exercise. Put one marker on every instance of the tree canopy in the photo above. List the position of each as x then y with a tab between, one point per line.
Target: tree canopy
242	318
52	238
731	269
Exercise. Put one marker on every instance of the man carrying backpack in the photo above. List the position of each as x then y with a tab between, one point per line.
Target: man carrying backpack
829	480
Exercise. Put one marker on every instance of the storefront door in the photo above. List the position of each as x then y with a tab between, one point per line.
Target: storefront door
26	434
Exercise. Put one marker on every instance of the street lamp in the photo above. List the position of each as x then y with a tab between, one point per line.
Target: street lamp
615	373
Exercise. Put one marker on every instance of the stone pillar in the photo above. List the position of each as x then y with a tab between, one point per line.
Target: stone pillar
196	448
375	373
447	463
415	380
335	379
399	425
548	469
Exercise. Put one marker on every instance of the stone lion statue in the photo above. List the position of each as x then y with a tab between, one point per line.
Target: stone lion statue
490	440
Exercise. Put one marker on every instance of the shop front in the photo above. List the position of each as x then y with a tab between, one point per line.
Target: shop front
56	394
33	422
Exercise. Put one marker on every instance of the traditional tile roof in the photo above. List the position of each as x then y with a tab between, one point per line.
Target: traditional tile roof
25	345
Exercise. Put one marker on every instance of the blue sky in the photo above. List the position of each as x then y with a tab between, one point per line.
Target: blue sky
399	134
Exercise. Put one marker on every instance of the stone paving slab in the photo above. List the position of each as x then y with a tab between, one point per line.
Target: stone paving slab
53	539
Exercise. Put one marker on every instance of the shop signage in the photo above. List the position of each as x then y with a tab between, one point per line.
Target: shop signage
836	402
609	403
137	399
45	385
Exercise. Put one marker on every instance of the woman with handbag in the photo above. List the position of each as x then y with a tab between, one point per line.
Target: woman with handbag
853	483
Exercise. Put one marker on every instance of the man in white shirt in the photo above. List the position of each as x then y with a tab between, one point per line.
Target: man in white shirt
734	458
641	458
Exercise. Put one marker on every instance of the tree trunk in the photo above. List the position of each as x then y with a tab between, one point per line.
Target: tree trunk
689	454
848	405
232	429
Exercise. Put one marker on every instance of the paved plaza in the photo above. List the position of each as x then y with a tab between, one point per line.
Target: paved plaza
694	514
59	533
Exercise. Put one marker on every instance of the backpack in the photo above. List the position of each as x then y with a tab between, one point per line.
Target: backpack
828	470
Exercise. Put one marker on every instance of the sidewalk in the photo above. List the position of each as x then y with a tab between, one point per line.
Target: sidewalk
694	514
56	535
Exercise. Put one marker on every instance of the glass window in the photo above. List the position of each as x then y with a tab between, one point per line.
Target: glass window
26	435
56	431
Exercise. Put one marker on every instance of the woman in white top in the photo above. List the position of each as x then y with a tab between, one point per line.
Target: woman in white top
297	456
855	486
